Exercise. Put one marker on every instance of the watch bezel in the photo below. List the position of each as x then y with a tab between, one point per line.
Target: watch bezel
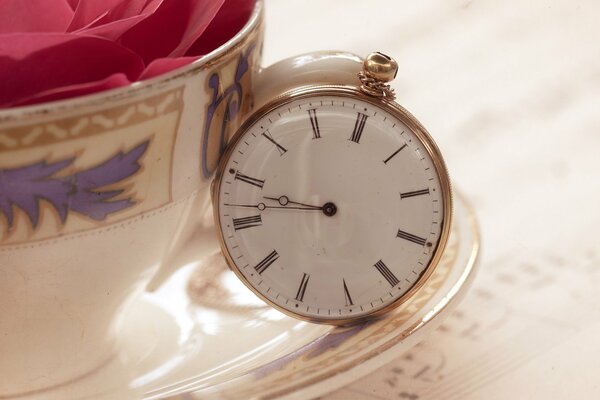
389	106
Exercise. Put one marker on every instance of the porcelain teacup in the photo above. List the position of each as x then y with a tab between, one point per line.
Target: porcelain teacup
96	195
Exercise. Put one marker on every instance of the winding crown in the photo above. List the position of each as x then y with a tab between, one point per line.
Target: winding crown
378	69
380	66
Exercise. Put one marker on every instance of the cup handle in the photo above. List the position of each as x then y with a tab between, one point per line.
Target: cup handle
317	68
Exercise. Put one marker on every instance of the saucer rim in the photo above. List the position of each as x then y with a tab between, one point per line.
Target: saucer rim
368	362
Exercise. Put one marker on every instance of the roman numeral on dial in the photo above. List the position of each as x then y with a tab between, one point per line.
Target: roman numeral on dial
415	193
302	288
314	123
245	178
280	148
359	125
247	222
411	238
387	274
266	262
347	294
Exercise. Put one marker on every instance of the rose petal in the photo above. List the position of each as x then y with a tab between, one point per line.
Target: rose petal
171	29
88	11
34	63
164	65
81	89
34	16
80	63
152	5
200	18
230	19
113	30
73	4
122	17
123	10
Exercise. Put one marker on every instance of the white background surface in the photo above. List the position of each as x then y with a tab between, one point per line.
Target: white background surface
511	92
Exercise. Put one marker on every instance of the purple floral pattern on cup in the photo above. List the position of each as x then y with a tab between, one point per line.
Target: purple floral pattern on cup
231	97
81	192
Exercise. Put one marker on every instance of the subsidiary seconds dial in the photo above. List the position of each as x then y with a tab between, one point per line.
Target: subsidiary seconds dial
332	206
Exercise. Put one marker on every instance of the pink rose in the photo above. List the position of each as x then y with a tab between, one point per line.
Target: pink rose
55	49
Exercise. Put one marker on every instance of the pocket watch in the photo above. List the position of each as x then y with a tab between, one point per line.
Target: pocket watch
332	203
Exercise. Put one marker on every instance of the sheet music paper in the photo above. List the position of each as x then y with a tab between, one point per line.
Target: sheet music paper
528	329
511	92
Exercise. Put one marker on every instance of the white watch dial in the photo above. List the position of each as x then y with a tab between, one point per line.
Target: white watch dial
330	207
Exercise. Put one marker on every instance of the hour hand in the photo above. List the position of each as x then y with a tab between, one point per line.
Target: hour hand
284	201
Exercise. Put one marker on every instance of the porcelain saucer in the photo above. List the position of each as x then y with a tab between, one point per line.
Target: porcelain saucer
198	338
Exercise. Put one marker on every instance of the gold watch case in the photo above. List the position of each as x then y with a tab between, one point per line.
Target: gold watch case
385	104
